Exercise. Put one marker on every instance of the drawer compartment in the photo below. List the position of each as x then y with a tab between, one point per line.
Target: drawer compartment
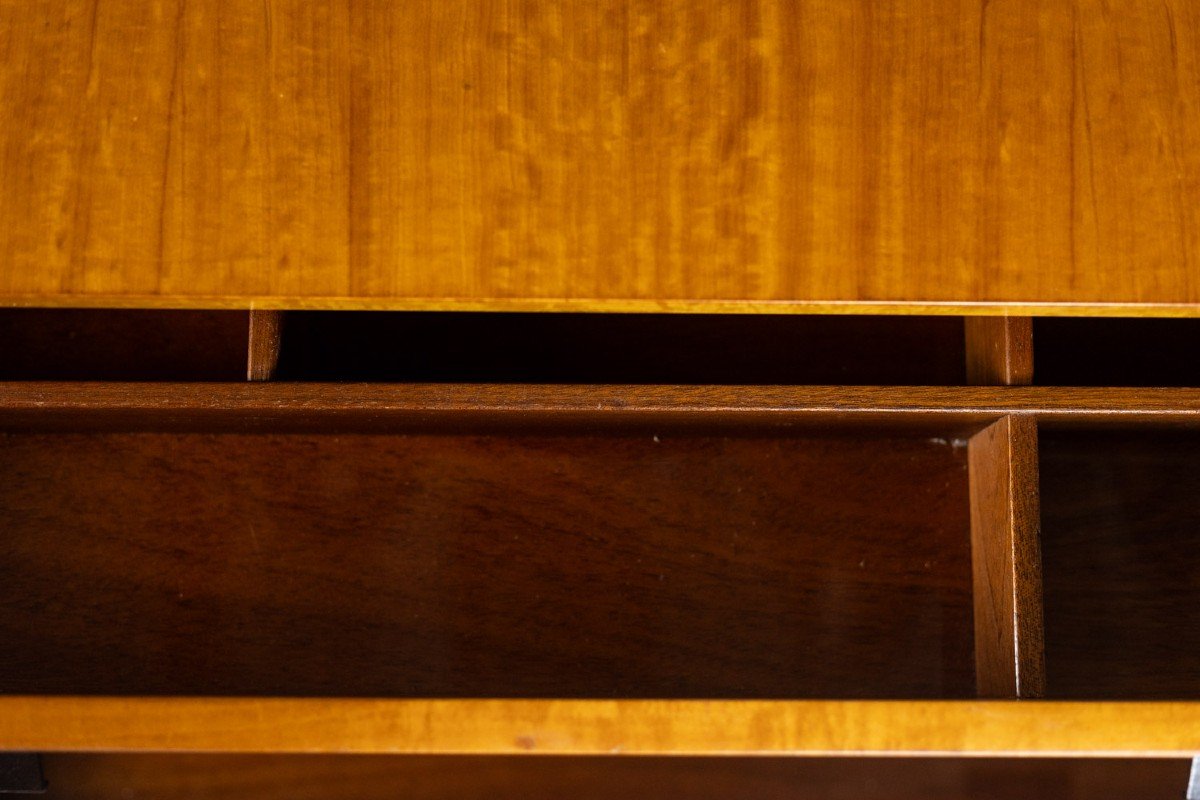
565	563
1116	352
1121	550
122	345
621	348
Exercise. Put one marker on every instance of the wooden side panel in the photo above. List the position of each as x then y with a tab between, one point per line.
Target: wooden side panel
1005	546
610	155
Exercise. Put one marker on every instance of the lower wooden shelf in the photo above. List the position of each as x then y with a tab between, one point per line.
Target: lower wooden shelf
601	727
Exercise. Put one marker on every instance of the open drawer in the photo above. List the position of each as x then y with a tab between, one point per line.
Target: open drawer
545	559
584	567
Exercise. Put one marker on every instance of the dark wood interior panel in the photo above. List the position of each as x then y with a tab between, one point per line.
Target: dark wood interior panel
622	348
1121	550
122	345
536	566
1116	352
106	777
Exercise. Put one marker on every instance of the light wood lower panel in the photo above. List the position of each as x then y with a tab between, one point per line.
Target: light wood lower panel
596	727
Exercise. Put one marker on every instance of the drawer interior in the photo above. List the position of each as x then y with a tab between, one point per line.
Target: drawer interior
122	345
621	348
570	563
1121	553
1117	352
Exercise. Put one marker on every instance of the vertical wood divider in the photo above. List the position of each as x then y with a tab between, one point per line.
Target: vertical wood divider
1005	519
999	351
263	348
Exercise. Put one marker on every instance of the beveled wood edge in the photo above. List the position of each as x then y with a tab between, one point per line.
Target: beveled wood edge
914	307
600	727
399	399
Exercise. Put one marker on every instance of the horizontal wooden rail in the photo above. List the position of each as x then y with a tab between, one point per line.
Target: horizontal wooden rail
53	406
600	727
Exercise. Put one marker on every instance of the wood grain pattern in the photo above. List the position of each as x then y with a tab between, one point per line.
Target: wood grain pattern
1006	559
262	352
1122	571
208	777
599	727
947	411
619	155
565	565
999	351
1005	547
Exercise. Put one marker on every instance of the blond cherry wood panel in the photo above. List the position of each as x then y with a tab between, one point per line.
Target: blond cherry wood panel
598	726
623	154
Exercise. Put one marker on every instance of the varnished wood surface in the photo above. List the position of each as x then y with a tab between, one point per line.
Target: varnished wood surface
598	727
621	155
413	407
1006	560
999	351
1122	570
205	777
478	566
265	338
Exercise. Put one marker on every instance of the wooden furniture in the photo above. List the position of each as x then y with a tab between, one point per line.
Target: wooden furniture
439	562
287	508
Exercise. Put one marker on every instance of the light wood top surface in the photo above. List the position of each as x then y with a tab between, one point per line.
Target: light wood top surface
599	727
812	155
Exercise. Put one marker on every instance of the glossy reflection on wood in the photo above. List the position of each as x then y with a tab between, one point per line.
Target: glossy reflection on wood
1006	559
1122	571
492	566
611	155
